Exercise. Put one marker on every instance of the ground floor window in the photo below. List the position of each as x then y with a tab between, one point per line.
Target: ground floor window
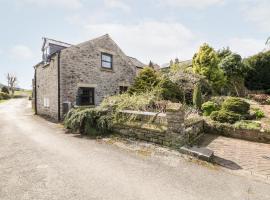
86	96
123	89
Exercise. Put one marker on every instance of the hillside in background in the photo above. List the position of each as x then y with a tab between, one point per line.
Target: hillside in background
1	85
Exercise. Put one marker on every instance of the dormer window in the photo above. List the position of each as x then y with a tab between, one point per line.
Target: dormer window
106	60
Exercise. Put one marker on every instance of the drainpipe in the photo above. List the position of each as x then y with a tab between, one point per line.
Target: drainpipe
35	90
59	102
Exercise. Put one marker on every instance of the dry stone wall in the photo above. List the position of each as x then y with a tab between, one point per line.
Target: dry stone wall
175	136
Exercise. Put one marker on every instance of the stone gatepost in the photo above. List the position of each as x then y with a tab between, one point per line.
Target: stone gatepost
175	115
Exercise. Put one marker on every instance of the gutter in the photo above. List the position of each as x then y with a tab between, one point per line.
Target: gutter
58	86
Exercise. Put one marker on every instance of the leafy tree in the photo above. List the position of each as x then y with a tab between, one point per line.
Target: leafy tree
197	97
235	71
5	90
223	53
145	81
205	63
258	74
169	90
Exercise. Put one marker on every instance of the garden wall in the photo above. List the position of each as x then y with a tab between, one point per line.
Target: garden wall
228	130
169	129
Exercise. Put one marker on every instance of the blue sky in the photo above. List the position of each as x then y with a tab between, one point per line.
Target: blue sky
157	30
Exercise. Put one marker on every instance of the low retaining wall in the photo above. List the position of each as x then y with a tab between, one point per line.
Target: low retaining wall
229	131
171	129
194	128
173	140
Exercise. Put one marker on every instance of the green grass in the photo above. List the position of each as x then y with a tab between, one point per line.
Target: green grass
23	92
2	101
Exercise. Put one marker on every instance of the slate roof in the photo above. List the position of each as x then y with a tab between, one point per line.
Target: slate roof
186	63
136	62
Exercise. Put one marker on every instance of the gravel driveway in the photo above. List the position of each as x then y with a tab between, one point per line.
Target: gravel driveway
39	161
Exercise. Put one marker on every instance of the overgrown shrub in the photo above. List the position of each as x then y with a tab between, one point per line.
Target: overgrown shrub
169	90
87	121
236	105
209	107
224	116
4	96
218	99
257	113
143	102
5	90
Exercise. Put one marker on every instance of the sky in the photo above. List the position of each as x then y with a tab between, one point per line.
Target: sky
157	30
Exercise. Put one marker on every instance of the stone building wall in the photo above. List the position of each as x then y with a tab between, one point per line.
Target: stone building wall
81	67
47	89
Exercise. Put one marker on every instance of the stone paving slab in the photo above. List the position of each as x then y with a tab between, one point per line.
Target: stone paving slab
239	155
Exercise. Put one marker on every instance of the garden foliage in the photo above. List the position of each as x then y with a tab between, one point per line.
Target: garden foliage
197	97
209	107
258	75
232	110
205	63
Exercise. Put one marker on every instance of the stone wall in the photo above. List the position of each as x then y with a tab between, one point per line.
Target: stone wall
47	88
228	130
81	67
175	135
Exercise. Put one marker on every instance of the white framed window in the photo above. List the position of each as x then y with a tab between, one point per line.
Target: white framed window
46	102
106	60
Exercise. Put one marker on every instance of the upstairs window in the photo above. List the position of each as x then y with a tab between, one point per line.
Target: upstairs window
106	60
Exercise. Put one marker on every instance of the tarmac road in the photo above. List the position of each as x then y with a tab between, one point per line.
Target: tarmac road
39	161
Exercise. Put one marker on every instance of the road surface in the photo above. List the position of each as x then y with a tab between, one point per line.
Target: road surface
39	161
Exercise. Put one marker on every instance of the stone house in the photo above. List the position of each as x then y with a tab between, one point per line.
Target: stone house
80	75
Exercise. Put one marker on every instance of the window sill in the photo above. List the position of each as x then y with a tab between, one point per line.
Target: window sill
107	70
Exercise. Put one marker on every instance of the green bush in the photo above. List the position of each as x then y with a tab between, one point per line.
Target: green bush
169	90
224	116
218	99
90	121
197	97
147	79
4	96
5	90
258	113
209	107
236	105
246	124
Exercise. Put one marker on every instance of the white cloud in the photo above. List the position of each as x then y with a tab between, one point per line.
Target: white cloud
199	4
258	11
158	41
70	4
21	52
246	46
117	4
